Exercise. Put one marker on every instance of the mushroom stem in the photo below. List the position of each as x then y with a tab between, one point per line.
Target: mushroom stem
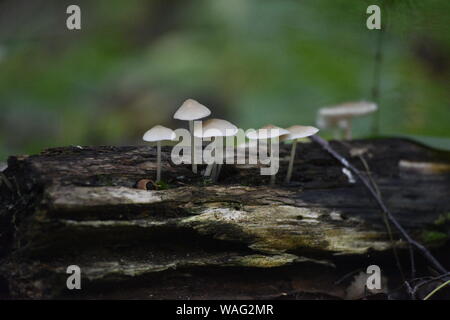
291	162
348	129
336	133
158	161
213	172
191	129
209	169
217	172
219	166
273	177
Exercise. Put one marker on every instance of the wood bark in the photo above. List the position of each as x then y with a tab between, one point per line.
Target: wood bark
191	238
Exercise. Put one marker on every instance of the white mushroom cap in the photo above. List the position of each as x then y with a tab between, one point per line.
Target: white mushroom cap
349	109
191	110
297	132
267	132
159	133
216	128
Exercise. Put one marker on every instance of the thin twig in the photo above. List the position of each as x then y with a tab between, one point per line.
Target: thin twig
412	261
385	218
4	179
436	290
388	227
429	280
433	261
410	290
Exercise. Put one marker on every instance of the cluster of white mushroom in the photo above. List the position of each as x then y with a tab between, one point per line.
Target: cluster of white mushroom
192	110
290	134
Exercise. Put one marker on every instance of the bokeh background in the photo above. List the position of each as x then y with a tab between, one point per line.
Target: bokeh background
252	62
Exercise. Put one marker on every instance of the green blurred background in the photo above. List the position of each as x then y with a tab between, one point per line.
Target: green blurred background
252	62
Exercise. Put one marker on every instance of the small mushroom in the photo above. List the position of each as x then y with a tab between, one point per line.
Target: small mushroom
341	115
215	128
192	110
268	132
157	134
296	132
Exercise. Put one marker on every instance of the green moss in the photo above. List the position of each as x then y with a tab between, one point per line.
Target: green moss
162	185
262	261
433	237
442	219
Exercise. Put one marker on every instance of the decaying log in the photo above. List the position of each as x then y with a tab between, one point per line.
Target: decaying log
239	238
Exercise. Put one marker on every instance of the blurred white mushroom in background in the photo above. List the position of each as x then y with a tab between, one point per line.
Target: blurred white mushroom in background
340	116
